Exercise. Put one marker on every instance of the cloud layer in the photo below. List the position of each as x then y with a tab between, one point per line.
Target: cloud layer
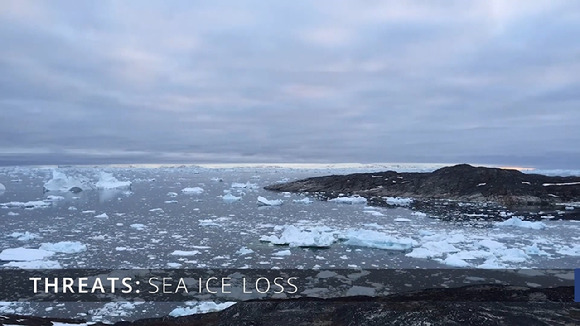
301	81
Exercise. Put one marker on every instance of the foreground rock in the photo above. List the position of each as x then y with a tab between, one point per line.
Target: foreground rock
460	182
471	305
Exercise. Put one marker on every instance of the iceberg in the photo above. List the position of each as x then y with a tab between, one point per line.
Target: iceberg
517	222
108	181
230	198
294	237
379	240
192	190
67	247
62	182
262	201
356	199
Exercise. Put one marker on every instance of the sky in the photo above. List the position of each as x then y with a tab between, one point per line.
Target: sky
94	82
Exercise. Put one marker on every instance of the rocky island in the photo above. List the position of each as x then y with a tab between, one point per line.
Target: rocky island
459	183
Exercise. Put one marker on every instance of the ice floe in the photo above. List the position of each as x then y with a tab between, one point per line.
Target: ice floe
230	198
304	200
192	190
518	222
24	254
62	182
376	239
185	253
67	247
24	236
262	201
108	181
29	204
199	308
349	200
295	237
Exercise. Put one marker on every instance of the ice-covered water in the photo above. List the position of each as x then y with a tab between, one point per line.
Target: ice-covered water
196	217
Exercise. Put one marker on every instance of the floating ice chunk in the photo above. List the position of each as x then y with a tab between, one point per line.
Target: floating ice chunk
54	198
491	244
379	240
192	190
492	263
419	214
2	188
108	181
29	204
208	222
535	250
34	264
12	214
517	222
26	236
282	253
24	254
570	251
230	198
138	226
244	251
200	308
185	253
398	201
423	253
172	194
67	247
104	215
62	182
455	261
401	219
294	237
174	265
356	199
513	255
246	185
156	210
304	200
440	246
561	184
262	201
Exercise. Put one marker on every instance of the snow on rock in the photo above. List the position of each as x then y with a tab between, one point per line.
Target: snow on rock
192	190
67	247
517	222
262	201
349	200
62	182
375	239
24	254
108	181
29	204
230	198
199	308
294	237
398	201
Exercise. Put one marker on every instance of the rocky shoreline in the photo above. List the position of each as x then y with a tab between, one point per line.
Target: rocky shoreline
493	188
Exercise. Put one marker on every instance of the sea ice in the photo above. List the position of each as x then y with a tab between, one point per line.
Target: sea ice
104	215
398	201
294	237
455	261
200	308
24	254
29	204
262	201
26	236
230	198
108	181
67	247
244	251
192	190
375	239
34	264
349	200
282	253
304	200
62	182
516	221
138	226
185	253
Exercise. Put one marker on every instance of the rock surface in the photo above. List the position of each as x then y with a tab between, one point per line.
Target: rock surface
460	182
470	305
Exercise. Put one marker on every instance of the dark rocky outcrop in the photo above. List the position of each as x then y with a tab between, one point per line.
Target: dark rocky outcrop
470	305
460	182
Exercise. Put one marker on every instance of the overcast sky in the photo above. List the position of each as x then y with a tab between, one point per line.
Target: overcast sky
290	81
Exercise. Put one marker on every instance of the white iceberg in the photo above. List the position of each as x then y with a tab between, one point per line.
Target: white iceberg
108	181
398	201
356	199
294	237
517	222
24	254
379	240
230	198
262	201
192	190
62	182
67	247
